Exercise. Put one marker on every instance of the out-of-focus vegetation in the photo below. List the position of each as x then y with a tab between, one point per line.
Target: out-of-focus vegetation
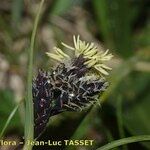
123	26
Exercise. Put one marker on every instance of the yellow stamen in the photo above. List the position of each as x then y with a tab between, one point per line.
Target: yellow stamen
95	57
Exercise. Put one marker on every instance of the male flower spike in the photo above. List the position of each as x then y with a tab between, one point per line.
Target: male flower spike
73	85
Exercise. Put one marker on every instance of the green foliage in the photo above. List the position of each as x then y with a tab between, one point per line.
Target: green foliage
17	10
7	107
125	141
123	27
61	6
136	116
114	22
29	117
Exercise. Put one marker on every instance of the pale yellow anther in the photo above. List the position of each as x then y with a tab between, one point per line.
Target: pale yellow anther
95	57
100	69
67	46
54	56
86	46
105	53
91	53
89	48
59	51
74	40
78	41
90	63
103	66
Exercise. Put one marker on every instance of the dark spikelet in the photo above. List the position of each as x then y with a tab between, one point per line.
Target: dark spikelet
42	101
64	89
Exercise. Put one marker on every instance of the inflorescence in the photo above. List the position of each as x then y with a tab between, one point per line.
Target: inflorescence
73	85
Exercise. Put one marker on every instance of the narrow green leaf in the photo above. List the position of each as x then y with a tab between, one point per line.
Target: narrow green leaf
29	118
8	120
124	141
6	108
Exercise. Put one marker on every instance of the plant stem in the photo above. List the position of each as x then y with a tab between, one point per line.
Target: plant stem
29	118
124	141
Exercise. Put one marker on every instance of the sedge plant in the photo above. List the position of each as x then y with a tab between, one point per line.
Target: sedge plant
74	84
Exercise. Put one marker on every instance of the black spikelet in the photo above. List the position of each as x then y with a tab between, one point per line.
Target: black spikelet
64	89
42	100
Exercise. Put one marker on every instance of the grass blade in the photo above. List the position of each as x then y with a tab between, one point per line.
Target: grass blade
124	141
8	120
29	118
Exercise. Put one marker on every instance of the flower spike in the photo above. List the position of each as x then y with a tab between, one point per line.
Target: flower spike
95	58
72	85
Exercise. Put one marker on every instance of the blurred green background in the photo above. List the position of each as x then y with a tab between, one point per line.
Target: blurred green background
123	26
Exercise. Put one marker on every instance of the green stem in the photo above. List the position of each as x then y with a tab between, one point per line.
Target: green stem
8	121
124	141
29	118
